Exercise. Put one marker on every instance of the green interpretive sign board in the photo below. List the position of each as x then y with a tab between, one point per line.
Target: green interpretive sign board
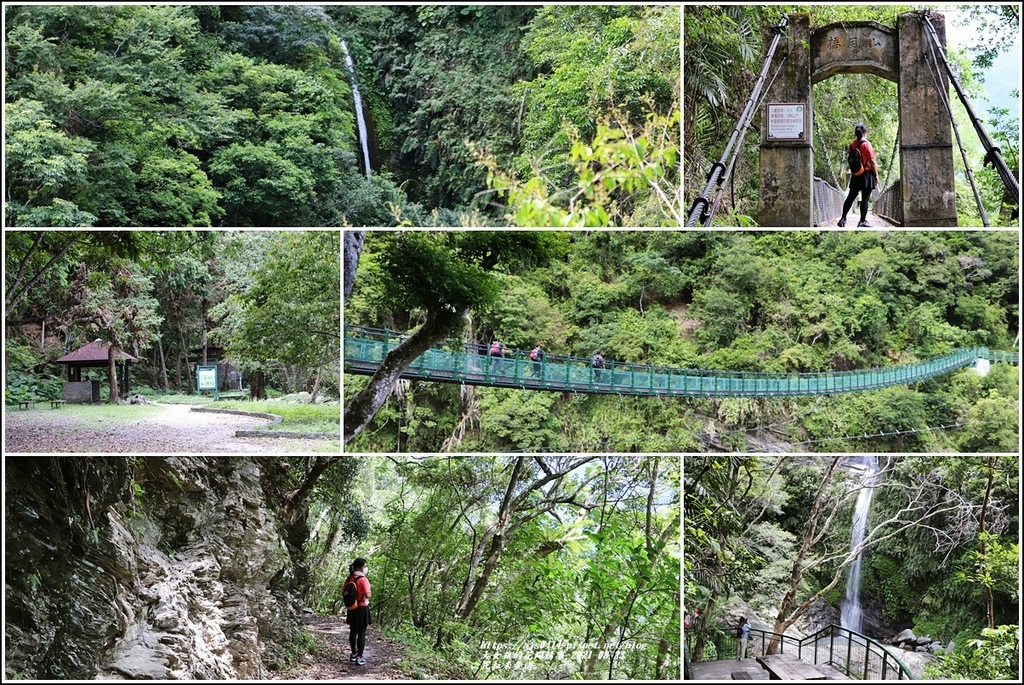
206	378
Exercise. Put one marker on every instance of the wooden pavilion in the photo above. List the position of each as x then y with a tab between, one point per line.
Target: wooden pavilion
93	355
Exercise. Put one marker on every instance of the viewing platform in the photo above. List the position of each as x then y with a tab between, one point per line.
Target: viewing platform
832	653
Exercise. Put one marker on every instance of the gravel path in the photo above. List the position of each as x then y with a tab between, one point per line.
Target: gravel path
329	659
168	428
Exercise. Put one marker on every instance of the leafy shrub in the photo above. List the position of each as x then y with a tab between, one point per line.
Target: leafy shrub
26	387
994	657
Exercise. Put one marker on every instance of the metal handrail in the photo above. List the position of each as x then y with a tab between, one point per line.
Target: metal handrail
855	654
459	362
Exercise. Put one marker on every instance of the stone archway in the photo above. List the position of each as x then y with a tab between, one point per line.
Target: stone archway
902	55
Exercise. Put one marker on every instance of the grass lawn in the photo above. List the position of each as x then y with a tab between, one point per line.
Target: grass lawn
295	416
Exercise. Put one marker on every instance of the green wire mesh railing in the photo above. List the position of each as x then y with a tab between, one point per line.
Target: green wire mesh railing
365	348
856	655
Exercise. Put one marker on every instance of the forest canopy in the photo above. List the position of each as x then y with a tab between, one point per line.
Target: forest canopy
236	115
784	302
503	567
268	301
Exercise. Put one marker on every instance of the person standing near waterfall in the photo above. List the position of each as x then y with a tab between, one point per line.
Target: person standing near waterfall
358	615
742	631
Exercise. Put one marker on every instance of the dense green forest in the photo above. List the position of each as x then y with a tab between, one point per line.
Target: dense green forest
238	115
267	301
519	567
795	301
723	55
770	536
211	568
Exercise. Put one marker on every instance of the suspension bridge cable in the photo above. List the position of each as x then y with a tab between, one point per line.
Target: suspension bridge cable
936	73
824	149
992	153
699	208
736	153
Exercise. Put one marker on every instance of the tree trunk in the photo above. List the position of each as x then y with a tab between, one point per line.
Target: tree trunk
664	647
292	501
473	589
163	364
258	385
364	404
353	248
989	597
316	387
112	375
184	350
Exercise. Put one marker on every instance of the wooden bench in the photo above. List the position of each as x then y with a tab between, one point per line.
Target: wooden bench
25	404
57	404
788	667
741	675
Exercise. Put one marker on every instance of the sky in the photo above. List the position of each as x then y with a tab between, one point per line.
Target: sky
1001	78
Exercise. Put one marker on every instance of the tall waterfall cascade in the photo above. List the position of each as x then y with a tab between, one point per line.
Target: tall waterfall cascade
867	466
358	102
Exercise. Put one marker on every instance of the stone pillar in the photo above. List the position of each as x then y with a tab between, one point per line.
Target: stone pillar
787	166
926	148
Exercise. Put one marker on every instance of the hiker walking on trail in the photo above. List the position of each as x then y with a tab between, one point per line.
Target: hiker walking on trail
861	157
356	594
742	631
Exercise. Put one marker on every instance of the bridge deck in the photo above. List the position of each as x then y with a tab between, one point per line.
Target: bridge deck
366	348
853	218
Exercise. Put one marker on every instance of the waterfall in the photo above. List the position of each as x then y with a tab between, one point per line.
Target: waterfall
850	616
358	100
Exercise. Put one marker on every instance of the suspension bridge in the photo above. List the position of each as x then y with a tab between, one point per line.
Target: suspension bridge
913	55
470	364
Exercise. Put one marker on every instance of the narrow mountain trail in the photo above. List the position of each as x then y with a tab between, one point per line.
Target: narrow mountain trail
330	656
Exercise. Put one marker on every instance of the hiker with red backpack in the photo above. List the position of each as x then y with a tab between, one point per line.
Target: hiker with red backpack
861	158
536	356
356	595
497	352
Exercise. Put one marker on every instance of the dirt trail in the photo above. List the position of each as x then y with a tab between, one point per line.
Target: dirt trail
173	429
330	658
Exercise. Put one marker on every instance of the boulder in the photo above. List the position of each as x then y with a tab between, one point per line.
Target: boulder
935	648
950	646
904	636
922	641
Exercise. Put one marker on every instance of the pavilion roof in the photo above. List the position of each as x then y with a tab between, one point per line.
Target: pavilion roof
92	353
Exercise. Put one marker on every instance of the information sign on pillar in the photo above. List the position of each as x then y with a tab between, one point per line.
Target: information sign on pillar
786	121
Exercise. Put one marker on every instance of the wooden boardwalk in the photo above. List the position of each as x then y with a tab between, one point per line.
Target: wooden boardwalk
723	670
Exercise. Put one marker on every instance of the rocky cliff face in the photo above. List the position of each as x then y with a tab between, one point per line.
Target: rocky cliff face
149	567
